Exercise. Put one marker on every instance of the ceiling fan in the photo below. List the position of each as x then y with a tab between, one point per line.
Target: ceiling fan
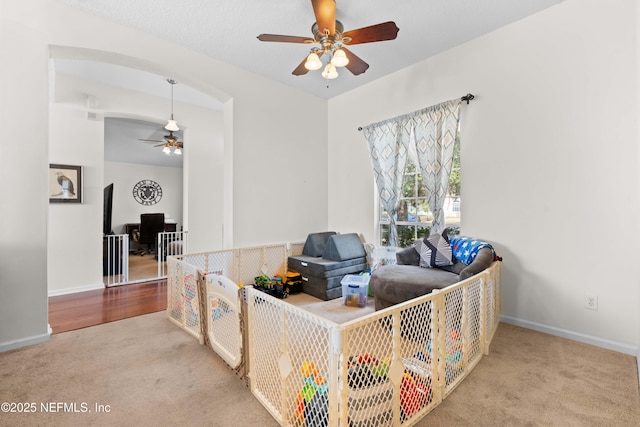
170	144
329	34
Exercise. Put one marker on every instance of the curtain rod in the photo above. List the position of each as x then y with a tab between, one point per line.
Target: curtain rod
468	97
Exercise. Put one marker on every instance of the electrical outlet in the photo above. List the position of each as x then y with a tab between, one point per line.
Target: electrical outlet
591	302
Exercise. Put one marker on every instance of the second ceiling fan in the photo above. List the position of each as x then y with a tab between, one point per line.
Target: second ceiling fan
328	34
171	144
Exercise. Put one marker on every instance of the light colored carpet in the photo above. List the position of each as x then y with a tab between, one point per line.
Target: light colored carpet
151	373
535	379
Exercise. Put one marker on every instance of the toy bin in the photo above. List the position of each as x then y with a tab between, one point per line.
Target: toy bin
355	289
371	406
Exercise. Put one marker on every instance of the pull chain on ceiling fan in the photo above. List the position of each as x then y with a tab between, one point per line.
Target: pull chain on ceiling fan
329	33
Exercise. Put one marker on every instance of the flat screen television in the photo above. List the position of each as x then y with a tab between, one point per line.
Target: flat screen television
108	208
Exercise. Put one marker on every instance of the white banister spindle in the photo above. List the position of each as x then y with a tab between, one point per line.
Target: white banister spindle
116	260
170	243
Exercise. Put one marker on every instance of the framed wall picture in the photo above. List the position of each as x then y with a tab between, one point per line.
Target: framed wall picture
65	184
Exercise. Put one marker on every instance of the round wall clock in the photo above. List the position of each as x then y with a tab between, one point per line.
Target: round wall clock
147	192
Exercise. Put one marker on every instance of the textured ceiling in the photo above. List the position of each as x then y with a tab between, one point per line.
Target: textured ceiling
227	31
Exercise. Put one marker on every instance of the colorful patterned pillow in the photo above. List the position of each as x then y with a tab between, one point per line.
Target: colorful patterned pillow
465	249
435	251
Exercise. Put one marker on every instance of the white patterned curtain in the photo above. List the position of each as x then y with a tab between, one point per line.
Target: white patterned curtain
435	131
388	143
432	130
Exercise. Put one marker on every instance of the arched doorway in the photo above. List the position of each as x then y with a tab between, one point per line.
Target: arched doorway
89	100
142	180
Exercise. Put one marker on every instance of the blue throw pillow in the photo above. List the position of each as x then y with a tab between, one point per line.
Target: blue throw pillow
465	249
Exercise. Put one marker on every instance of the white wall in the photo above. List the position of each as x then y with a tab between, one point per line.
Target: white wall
549	161
204	184
290	159
23	168
75	230
125	176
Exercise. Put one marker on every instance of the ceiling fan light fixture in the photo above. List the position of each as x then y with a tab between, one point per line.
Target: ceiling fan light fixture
172	126
166	150
313	62
177	151
330	72
339	58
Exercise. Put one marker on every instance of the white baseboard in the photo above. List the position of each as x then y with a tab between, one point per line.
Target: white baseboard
57	292
24	342
575	336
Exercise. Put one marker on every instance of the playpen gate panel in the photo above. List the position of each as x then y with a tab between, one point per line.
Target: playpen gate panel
290	361
223	318
267	260
463	329
183	303
365	386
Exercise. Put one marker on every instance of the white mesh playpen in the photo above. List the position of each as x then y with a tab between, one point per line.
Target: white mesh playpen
389	368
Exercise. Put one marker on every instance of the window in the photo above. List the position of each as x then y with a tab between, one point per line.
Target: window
414	216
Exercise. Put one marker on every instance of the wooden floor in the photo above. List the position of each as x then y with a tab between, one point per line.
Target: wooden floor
83	309
141	269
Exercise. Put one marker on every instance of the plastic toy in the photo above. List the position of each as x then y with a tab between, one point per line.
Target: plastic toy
414	393
311	400
454	355
365	370
263	281
271	285
215	309
292	282
190	294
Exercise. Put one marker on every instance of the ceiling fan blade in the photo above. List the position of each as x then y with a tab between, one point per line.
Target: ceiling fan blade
325	12
355	65
300	70
149	140
284	39
160	145
374	33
